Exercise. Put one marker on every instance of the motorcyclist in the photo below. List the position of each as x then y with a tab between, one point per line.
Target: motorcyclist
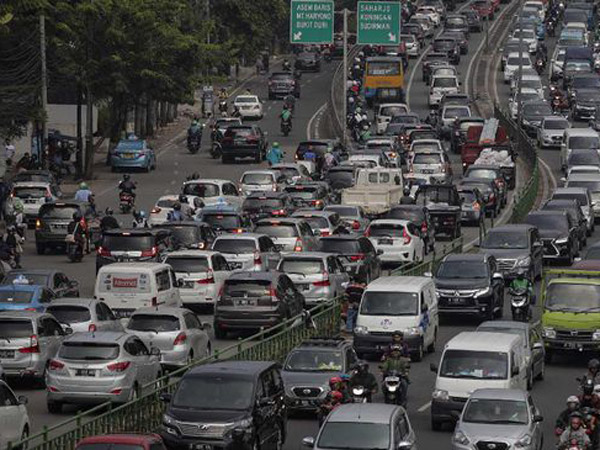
588	397
332	401
108	221
289	102
83	193
574	432
362	377
186	209
397	340
139	220
176	215
329	159
522	283
285	65
562	422
406	197
127	186
274	155
78	228
399	363
223	94
286	116
194	132
593	369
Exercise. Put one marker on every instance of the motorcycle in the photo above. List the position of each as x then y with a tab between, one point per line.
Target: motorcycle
590	420
74	248
519	304
126	202
194	144
216	151
359	394
223	106
286	66
286	127
540	65
393	388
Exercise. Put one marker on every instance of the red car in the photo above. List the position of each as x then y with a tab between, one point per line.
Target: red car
485	9
122	442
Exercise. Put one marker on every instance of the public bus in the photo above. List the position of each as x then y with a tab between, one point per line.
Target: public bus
384	79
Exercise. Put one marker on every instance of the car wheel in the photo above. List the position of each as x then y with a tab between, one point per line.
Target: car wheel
133	394
208	350
40	248
189	359
436	425
258	157
431	347
54	407
418	355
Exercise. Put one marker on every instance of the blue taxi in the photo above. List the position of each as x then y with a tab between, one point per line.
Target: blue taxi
133	154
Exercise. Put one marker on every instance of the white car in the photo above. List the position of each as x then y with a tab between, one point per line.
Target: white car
399	240
213	191
33	194
441	85
526	95
289	234
452	112
529	37
528	81
385	113
513	62
411	44
249	106
583	170
201	274
164	205
14	419
259	181
434	164
430	12
551	130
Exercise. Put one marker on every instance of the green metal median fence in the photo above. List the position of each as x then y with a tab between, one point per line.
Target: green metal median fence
410	269
144	414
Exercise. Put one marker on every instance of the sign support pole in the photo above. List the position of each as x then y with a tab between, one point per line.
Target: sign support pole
345	77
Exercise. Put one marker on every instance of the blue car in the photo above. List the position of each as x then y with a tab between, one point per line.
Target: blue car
23	297
133	154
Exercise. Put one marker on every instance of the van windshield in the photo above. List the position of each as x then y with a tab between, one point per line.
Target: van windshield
475	365
389	304
214	393
573	297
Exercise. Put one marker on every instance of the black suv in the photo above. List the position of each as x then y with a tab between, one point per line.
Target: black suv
52	222
216	405
357	255
282	84
558	233
314	196
449	46
190	234
241	141
308	368
470	284
572	207
133	245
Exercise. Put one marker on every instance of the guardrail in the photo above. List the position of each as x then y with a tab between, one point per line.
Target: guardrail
527	152
410	269
144	414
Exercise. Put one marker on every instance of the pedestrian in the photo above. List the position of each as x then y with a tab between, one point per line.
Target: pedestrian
9	152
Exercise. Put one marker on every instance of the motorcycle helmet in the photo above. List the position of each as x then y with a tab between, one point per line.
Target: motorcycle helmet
177	206
593	364
336	397
573	400
333	382
345	378
108	211
126	177
588	386
575	420
182	198
397	333
142	214
363	366
76	216
521	273
83	186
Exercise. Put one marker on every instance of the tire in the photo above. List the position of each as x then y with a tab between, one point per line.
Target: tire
540	376
530	381
189	359
418	355
258	157
134	394
54	407
40	248
436	425
431	347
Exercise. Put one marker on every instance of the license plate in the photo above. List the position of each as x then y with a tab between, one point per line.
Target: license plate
121	313
85	372
200	447
188	285
246	303
127	155
7	353
235	265
427	171
455	300
303	287
570	345
385	241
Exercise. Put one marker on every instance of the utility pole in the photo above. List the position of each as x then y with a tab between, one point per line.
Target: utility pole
345	77
519	80
44	93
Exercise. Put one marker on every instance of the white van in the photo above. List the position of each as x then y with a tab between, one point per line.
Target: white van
406	304
125	287
475	360
578	139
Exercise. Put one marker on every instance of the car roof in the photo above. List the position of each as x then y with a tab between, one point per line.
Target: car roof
481	340
255	275
499	394
248	368
283	220
267	194
21	287
307	255
466	257
240	236
131	232
134	266
133	439
42	184
161	310
81	301
32	271
98	336
512	227
313	213
385	284
363	413
508	324
22	314
390	222
193	252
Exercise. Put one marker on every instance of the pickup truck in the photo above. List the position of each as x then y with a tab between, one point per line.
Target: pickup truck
376	190
444	206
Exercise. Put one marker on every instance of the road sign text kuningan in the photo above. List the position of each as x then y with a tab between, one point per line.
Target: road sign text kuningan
378	23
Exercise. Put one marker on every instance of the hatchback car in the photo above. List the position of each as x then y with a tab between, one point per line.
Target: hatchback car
282	84
225	220
288	234
323	223
240	141
13	416
396	241
31	339
259	181
58	282
132	245
308	61
176	332
84	314
491	413
33	195
133	154
255	300
318	276
212	191
490	173
247	251
357	254
308	195
354	218
163	207
473	205
418	215
100	367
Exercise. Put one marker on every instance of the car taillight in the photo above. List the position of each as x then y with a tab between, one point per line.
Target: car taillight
92	327
55	365
154	301
355	225
424	227
119	367
257	259
325	233
38	224
324	282
252	139
103	252
149	253
238	230
34	346
274	187
180	339
358	257
298	245
278	212
406	237
201	245
273	295
317	202
155	210
368	232
210	279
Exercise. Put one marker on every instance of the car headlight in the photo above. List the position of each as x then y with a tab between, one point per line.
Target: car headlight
460	438
244	423
561	241
361	330
525	441
169	421
596	335
413	331
524	262
440	394
484	291
549	332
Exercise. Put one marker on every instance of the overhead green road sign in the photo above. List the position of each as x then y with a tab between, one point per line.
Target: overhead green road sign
378	23
311	21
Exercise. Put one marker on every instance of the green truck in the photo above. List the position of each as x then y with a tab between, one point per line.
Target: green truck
571	311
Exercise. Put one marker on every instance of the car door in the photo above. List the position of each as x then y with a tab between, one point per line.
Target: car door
196	334
221	270
273	412
270	252
231	194
538	353
536	431
109	320
11	417
51	335
144	363
308	238
372	258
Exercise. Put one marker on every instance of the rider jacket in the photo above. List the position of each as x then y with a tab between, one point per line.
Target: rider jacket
127	186
365	379
402	365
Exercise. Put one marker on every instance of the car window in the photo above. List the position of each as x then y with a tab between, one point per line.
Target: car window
366	246
272	383
162	280
403	426
229	189
7	398
107	312
101	313
192	322
46	296
331	267
50	327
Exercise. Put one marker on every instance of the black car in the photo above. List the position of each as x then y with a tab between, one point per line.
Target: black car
308	195
470	284
558	234
52	222
419	215
340	177
241	141
133	245
473	205
573	208
444	206
533	112
226	221
473	20
282	84
252	300
462	39
190	234
55	280
585	103
215	405
260	205
449	46
308	61
356	253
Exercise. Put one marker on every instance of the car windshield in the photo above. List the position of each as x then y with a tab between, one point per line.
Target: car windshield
389	304
202	189
167	202
537	110
488	174
29	192
427	196
302	266
15	328
578	66
247	288
548	221
32	278
303	360
584	142
343	211
70	313
586	82
526	96
420	146
302	192
122	242
234	246
354	435
57	212
474	364
341	246
16	296
453	269
593	186
277	230
251	99
258	203
386	230
153	322
556	124
258	178
89	351
214	392
516	61
413	215
592	253
188	264
427	158
572	297
392	110
455	21
581	198
221	221
533	84
451	112
316	222
506	239
496	411
184	235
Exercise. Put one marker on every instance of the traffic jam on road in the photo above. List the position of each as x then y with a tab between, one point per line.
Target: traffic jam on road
463	324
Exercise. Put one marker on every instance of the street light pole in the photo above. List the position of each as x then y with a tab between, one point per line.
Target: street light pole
44	92
345	77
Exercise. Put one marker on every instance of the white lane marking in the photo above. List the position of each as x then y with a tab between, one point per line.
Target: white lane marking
316	115
425	407
549	170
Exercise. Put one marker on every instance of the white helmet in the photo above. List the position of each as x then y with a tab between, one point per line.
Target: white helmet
573	399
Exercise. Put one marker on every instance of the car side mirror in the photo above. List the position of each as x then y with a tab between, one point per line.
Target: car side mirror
538	418
428	274
433	367
165	397
22	400
308	441
155	351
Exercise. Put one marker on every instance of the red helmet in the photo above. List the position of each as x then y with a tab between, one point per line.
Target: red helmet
336	396
334	381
